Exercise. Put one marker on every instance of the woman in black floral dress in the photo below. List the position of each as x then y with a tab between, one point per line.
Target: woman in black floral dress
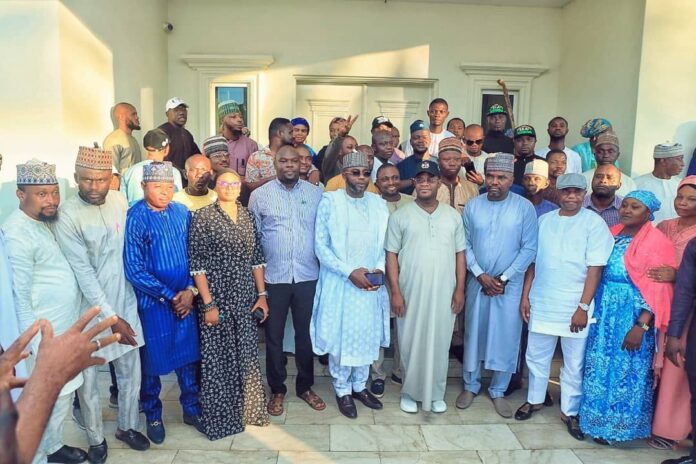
227	265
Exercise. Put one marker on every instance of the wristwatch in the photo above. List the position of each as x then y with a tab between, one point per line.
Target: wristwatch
643	326
504	279
193	289
584	306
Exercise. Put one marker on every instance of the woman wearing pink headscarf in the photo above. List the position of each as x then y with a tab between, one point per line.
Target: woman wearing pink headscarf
672	421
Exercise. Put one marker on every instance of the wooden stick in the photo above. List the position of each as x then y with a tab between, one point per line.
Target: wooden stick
508	105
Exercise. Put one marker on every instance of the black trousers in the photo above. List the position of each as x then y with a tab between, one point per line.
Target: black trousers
298	297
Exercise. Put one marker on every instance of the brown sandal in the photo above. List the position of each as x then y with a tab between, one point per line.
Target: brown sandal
313	400
275	405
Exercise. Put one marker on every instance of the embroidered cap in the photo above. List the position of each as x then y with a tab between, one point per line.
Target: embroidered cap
430	167
524	129
450	144
503	162
227	107
418	125
158	171
609	137
35	172
594	127
668	150
94	158
355	159
173	103
381	120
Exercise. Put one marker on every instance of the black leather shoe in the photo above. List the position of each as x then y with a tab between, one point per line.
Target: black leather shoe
97	454
573	425
156	432
548	399
368	399
68	455
526	411
134	439
681	460
347	406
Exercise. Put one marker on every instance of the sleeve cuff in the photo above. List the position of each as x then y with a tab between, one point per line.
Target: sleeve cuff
674	331
476	270
168	294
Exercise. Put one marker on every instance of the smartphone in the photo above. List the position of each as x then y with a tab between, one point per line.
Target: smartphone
375	278
258	314
469	167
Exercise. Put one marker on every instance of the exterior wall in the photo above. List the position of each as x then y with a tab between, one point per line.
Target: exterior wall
666	107
600	61
362	38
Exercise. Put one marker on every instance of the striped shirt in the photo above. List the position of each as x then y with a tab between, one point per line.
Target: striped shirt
285	219
610	214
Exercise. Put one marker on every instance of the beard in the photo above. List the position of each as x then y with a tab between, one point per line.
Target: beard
49	219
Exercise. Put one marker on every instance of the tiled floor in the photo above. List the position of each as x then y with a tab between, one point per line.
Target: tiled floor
390	436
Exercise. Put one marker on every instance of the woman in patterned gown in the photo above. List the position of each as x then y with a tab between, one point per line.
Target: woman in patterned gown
629	308
227	265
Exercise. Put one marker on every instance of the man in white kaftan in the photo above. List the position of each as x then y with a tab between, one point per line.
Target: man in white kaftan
90	231
663	181
574	246
350	319
44	285
501	241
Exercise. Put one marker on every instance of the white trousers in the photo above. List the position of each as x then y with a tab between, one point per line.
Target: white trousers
540	349
52	439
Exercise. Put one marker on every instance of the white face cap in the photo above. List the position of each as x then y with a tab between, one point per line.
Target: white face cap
173	103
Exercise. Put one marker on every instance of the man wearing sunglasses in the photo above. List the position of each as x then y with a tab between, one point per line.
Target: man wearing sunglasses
350	319
474	139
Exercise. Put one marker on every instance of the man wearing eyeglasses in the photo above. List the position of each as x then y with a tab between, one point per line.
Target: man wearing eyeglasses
474	139
350	319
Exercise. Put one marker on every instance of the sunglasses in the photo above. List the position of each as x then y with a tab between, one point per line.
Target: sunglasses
225	185
358	173
474	142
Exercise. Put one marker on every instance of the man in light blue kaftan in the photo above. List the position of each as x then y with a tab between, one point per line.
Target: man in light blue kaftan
156	264
350	319
501	241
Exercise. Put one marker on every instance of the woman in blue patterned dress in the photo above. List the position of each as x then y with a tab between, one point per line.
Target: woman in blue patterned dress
618	384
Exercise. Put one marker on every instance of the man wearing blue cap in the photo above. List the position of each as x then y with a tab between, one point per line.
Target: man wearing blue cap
426	295
559	287
420	143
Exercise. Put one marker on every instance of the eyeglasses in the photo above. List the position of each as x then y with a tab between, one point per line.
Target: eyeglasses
359	173
474	142
226	185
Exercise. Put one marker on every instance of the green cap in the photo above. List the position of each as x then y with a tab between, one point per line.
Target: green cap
496	109
524	129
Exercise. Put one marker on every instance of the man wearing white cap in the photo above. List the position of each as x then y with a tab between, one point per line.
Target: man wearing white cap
45	286
535	182
574	246
663	180
181	143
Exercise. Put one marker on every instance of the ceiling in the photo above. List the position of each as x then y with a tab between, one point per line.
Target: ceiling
536	3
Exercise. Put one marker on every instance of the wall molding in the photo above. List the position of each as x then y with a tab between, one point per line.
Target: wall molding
227	63
305	79
513	69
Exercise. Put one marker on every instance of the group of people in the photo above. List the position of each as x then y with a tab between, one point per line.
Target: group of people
459	240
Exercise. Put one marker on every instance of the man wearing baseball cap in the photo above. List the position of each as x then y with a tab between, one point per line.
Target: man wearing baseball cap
573	248
423	294
496	141
524	141
181	143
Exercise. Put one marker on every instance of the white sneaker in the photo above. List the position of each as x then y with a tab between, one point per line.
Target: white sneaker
407	404
438	406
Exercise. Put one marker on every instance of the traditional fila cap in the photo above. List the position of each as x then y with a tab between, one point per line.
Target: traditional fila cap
538	167
524	129
227	107
355	159
451	144
94	158
504	162
214	144
173	103
594	127
158	171
418	125
668	150
609	137
35	172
